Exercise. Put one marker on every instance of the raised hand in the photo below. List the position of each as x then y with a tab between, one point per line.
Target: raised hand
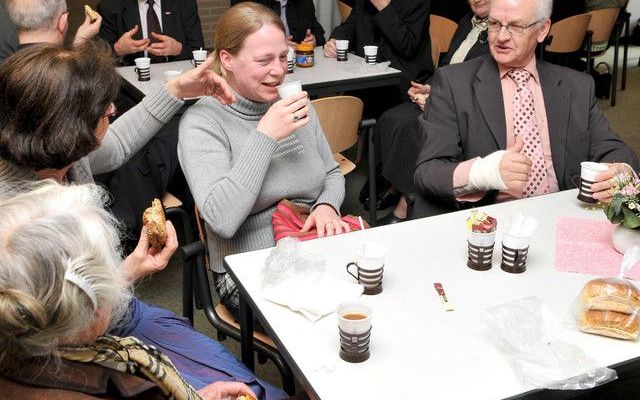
87	30
146	260
202	81
128	45
514	168
285	116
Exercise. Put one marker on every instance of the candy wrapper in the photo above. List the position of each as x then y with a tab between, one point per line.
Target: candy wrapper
481	236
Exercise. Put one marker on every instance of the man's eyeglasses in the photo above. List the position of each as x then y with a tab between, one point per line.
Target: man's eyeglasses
112	111
512	29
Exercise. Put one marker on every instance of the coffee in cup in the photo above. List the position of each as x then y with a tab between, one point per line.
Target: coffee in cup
354	325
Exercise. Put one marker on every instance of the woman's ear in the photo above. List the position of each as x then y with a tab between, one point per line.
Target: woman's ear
226	60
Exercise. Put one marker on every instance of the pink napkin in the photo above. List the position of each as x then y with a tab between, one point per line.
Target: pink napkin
584	246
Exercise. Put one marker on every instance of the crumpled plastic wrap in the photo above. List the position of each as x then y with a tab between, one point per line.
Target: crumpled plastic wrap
530	335
287	261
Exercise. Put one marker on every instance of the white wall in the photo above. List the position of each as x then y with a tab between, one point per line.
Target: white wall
327	14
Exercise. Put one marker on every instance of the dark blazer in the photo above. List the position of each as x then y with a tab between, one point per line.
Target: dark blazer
452	9
180	20
401	30
8	35
465	119
301	15
464	27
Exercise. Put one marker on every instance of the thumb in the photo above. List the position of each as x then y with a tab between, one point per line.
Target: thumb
517	146
133	31
308	32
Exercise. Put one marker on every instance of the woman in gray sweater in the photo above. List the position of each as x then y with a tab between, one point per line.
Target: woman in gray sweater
240	160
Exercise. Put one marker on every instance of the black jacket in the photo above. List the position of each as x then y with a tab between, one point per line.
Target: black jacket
464	27
180	20
401	30
301	15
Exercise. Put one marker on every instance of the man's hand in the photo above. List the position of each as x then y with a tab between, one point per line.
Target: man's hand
290	41
225	390
418	94
128	45
87	30
330	50
146	260
309	38
164	45
606	181
326	221
202	81
514	168
380	4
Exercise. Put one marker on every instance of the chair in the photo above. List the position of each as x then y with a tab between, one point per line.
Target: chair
344	9
567	36
195	259
601	25
435	53
340	118
441	31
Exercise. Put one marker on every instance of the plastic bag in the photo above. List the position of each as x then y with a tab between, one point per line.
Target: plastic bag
287	262
531	337
610	306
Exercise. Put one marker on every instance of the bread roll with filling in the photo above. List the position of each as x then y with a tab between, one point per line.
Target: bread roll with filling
605	294
610	323
154	220
90	13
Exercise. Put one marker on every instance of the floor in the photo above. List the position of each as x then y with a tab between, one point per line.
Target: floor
164	288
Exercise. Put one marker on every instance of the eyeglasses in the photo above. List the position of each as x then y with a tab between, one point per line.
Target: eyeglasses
512	29
112	112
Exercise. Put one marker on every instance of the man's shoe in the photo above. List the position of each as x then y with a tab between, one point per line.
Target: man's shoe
391	218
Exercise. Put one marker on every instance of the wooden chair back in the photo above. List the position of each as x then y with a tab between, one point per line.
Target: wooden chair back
339	118
601	24
435	53
567	35
344	9
441	29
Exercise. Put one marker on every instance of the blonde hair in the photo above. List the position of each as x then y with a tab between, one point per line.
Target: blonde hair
236	24
47	234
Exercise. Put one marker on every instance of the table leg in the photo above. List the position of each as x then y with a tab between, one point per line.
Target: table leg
246	334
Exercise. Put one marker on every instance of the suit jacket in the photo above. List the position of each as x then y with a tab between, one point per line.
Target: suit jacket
479	48
301	15
465	119
180	20
401	30
8	35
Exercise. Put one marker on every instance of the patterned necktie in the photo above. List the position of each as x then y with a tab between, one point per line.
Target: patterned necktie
525	125
153	25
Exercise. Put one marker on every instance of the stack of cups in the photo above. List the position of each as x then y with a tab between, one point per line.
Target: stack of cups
143	68
342	46
370	54
198	57
291	59
514	253
480	250
354	324
589	171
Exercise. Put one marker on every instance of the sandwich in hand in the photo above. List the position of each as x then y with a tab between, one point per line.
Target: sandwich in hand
90	13
154	220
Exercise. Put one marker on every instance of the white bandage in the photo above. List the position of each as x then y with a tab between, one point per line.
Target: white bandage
485	174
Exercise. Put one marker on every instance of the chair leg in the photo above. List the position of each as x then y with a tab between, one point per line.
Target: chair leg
626	22
288	380
614	80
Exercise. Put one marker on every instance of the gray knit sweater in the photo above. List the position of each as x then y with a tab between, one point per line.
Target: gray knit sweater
237	175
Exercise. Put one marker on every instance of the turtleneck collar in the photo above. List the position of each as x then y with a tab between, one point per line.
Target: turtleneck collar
249	108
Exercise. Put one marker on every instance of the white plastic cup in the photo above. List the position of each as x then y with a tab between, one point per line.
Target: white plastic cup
342	45
481	239
287	89
199	55
143	62
589	170
370	50
515	242
171	75
354	326
371	255
291	54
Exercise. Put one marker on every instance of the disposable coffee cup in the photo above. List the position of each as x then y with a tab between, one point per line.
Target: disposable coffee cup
515	250
342	47
370	54
287	89
199	56
291	60
143	68
368	268
480	250
354	326
588	173
171	75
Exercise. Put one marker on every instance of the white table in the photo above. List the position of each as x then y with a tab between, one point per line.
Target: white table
327	77
415	343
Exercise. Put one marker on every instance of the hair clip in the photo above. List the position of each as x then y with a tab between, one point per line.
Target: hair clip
84	285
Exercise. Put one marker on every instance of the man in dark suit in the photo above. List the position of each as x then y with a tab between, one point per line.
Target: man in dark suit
507	126
299	19
8	35
170	31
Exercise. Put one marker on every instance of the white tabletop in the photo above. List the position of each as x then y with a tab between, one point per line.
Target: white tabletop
328	76
415	344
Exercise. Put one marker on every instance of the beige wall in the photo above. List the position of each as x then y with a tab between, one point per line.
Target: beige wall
209	10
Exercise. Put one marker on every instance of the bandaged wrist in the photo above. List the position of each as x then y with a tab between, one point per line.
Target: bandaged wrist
485	173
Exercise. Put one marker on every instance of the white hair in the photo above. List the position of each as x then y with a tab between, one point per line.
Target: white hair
545	7
35	15
46	234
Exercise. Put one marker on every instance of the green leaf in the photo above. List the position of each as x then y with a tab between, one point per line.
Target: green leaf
631	219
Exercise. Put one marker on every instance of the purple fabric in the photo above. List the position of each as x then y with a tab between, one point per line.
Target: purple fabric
199	359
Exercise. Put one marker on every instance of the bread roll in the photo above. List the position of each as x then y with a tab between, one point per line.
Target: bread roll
90	13
610	323
605	294
154	220
245	397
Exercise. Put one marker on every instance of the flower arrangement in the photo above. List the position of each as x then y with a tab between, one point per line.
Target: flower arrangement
624	207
